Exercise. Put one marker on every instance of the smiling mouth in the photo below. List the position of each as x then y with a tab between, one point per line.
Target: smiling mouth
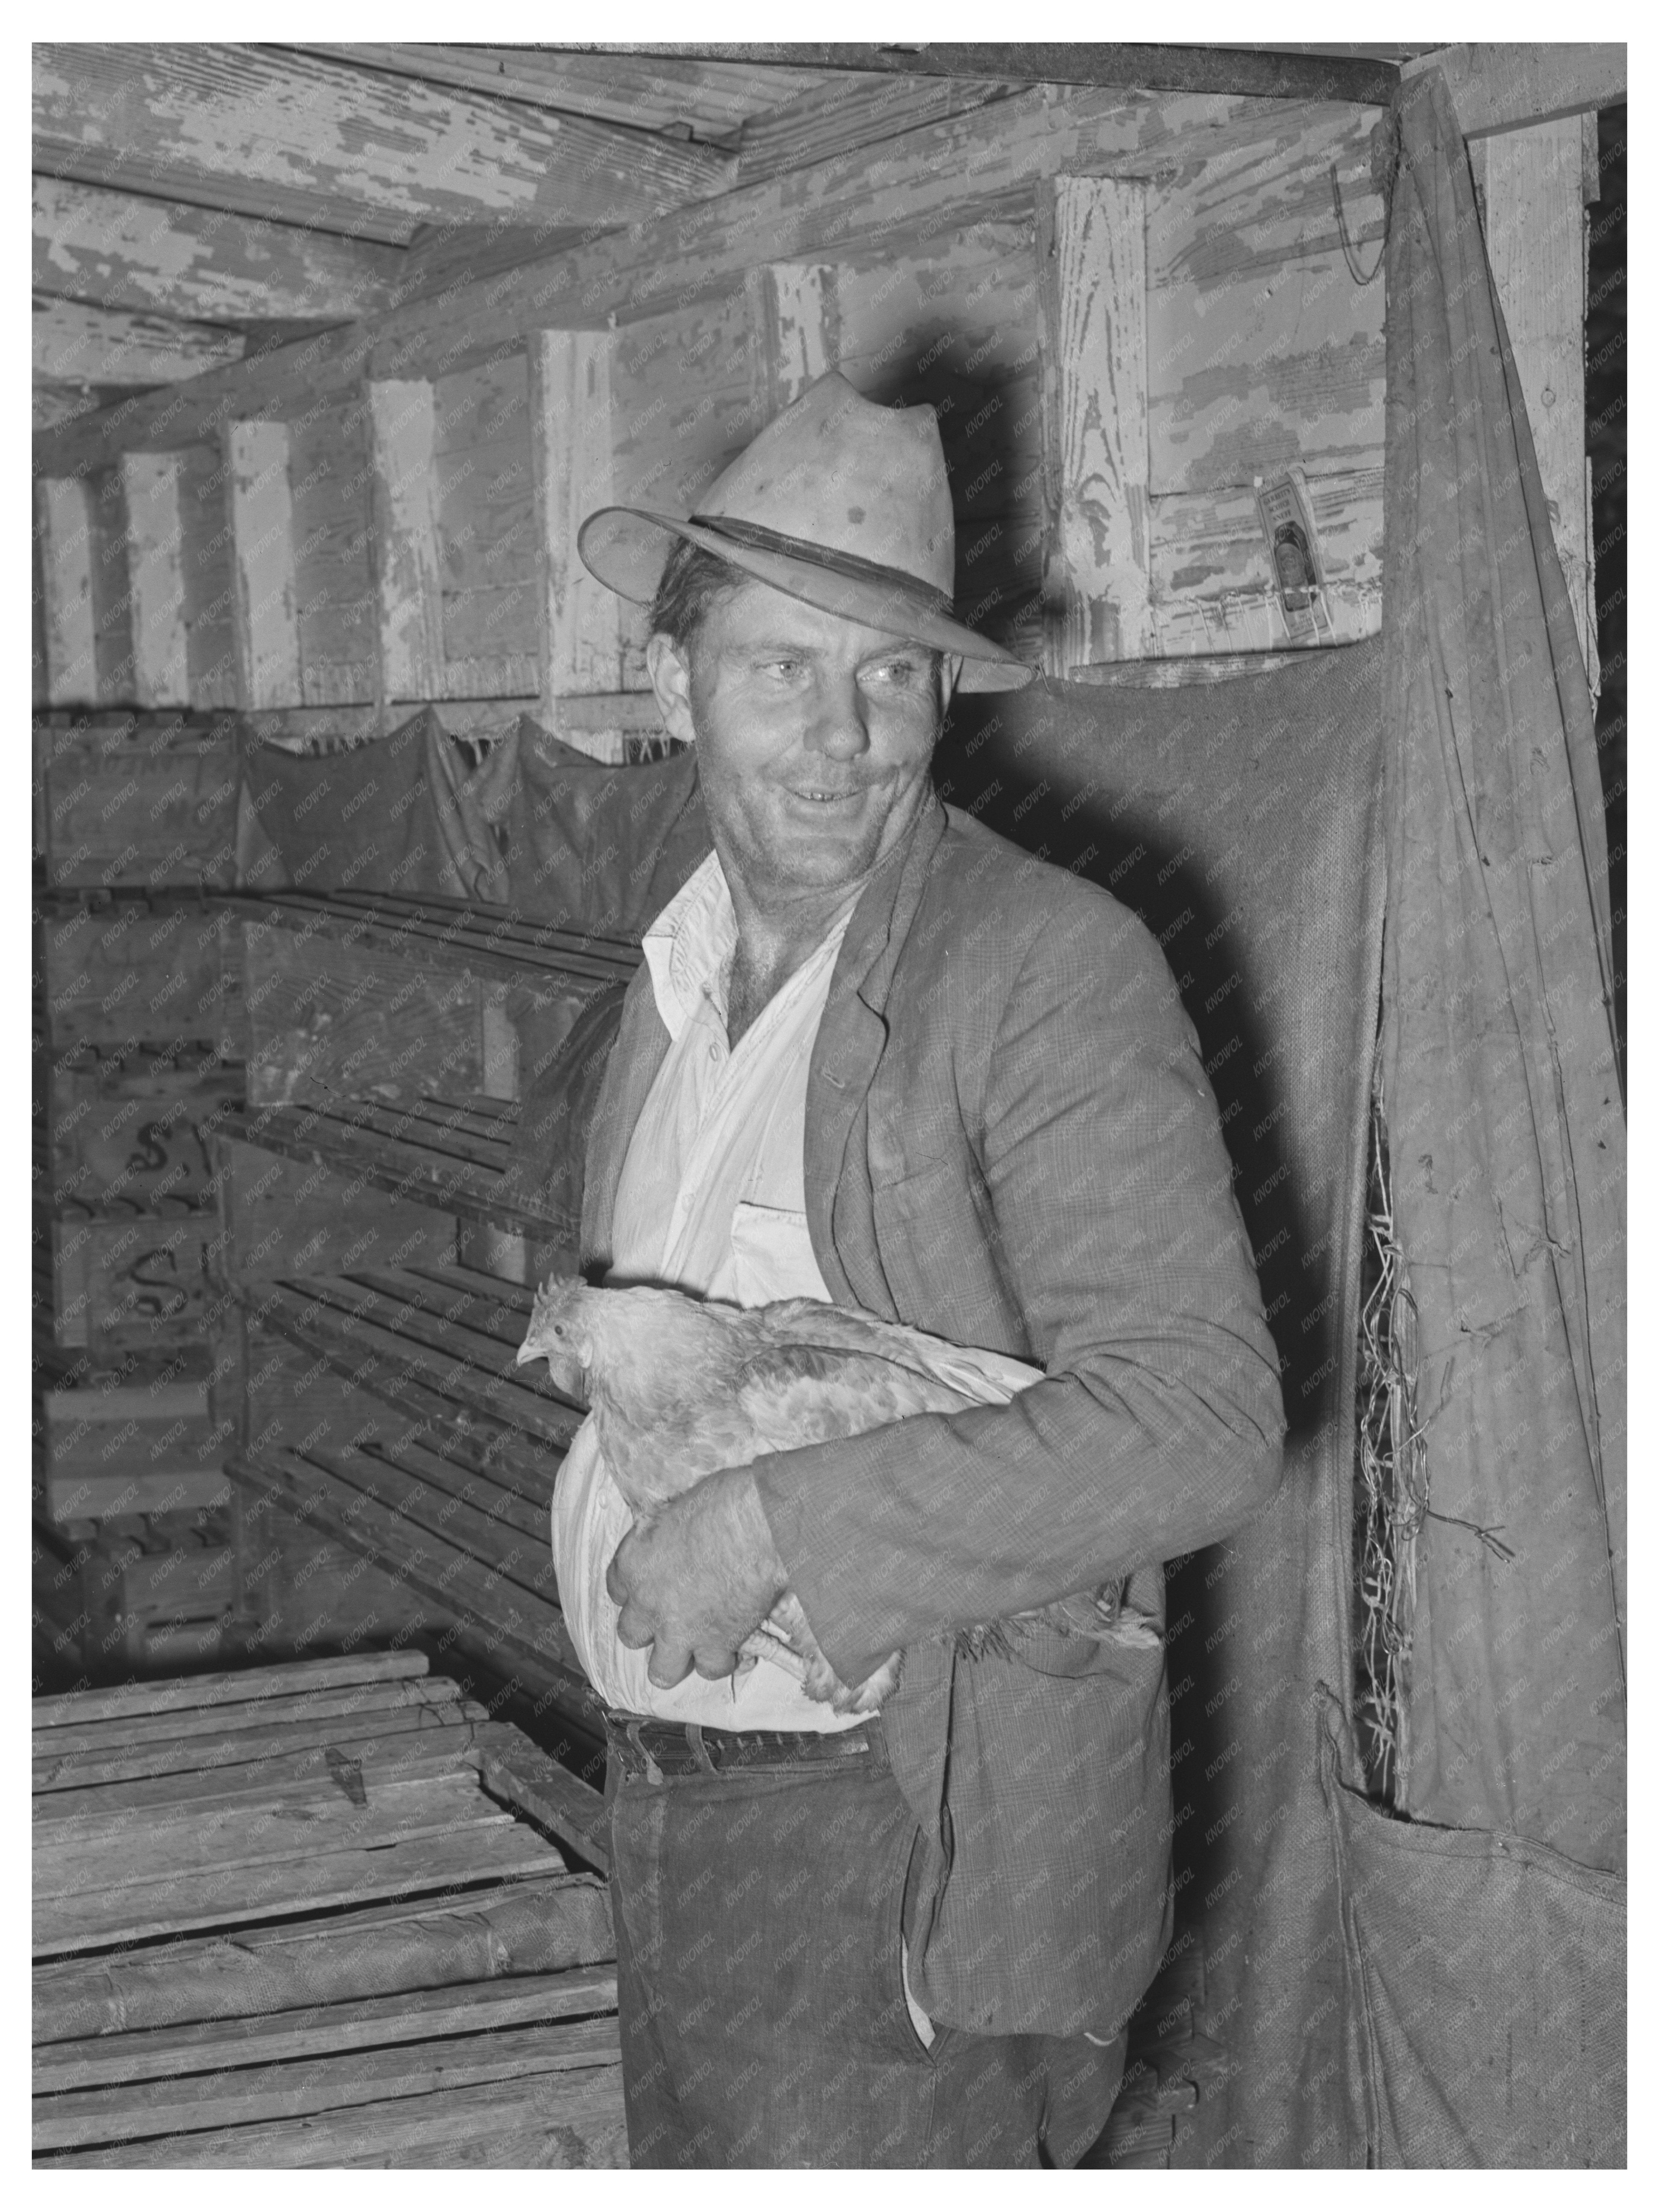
829	798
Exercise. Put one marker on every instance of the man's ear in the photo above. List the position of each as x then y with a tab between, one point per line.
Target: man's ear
669	670
950	668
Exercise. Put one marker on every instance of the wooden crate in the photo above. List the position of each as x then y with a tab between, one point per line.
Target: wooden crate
151	1445
133	1132
140	799
130	971
325	1996
137	1284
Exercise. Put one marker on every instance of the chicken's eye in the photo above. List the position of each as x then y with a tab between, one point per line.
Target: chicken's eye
558	1328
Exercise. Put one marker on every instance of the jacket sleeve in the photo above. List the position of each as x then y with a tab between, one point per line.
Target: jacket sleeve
1158	1425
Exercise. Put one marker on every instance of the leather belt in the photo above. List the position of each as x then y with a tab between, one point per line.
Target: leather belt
657	1748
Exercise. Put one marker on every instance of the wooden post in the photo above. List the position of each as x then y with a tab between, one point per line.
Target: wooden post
266	614
63	523
796	326
409	583
1531	185
571	450
156	580
1094	273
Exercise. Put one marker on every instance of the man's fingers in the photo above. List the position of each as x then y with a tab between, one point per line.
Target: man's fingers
669	1663
716	1666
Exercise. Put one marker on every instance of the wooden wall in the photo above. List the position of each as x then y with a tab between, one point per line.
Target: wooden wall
1127	308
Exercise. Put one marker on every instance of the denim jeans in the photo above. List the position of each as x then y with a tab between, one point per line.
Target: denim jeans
758	1918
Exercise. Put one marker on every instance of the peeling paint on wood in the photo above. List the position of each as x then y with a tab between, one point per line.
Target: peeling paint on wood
74	343
63	523
1262	350
794	330
571	433
408	588
261	520
156	576
157	258
209	579
1535	226
1099	594
278	133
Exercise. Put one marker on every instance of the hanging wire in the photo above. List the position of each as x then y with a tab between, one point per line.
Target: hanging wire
1360	276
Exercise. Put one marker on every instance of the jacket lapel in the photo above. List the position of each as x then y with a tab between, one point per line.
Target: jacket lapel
642	1047
852	1036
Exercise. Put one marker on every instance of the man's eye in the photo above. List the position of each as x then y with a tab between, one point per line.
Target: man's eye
894	673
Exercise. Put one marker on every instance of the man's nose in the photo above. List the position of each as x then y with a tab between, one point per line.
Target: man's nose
837	726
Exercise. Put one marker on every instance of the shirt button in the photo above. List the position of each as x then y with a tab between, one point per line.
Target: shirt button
713	1052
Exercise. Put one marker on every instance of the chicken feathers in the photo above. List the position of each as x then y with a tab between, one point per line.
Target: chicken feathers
680	1388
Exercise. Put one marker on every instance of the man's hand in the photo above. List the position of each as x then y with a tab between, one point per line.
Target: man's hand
697	1579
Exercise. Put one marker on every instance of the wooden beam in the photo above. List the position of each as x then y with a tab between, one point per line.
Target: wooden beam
408	585
262	130
1509	87
74	343
155	257
155	578
63	531
1094	274
260	508
644	92
1257	72
1532	206
997	153
571	465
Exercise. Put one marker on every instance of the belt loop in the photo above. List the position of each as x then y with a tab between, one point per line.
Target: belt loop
699	1748
653	1771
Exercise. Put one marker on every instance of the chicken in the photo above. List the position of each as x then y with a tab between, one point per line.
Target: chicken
681	1387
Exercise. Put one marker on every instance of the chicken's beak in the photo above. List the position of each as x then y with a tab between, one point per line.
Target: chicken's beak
563	1367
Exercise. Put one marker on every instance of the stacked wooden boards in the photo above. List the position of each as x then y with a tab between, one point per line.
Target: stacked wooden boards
280	1921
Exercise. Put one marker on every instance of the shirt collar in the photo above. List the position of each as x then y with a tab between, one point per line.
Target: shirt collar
688	947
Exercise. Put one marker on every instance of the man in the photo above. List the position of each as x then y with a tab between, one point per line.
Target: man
876	1055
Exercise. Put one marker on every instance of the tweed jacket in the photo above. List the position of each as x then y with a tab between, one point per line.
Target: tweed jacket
1010	1141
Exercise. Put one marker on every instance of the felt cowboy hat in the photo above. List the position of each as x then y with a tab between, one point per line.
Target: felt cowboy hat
839	502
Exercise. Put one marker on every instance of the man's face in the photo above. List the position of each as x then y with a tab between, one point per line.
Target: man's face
813	737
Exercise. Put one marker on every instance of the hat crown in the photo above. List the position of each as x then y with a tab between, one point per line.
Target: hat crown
836	470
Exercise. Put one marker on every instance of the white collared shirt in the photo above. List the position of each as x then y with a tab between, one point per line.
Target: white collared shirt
712	1201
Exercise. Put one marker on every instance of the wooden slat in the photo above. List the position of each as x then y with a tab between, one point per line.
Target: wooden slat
477	1852
157	258
1531	192
408	589
156	2054
516	1770
235	1747
63	532
1100	600
467	1366
571	438
265	132
261	517
496	1615
538	1924
73	343
160	671
573	2118
175	1849
301	1775
236	2098
278	1709
842	112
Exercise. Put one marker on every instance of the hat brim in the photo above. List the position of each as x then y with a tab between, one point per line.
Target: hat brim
625	547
